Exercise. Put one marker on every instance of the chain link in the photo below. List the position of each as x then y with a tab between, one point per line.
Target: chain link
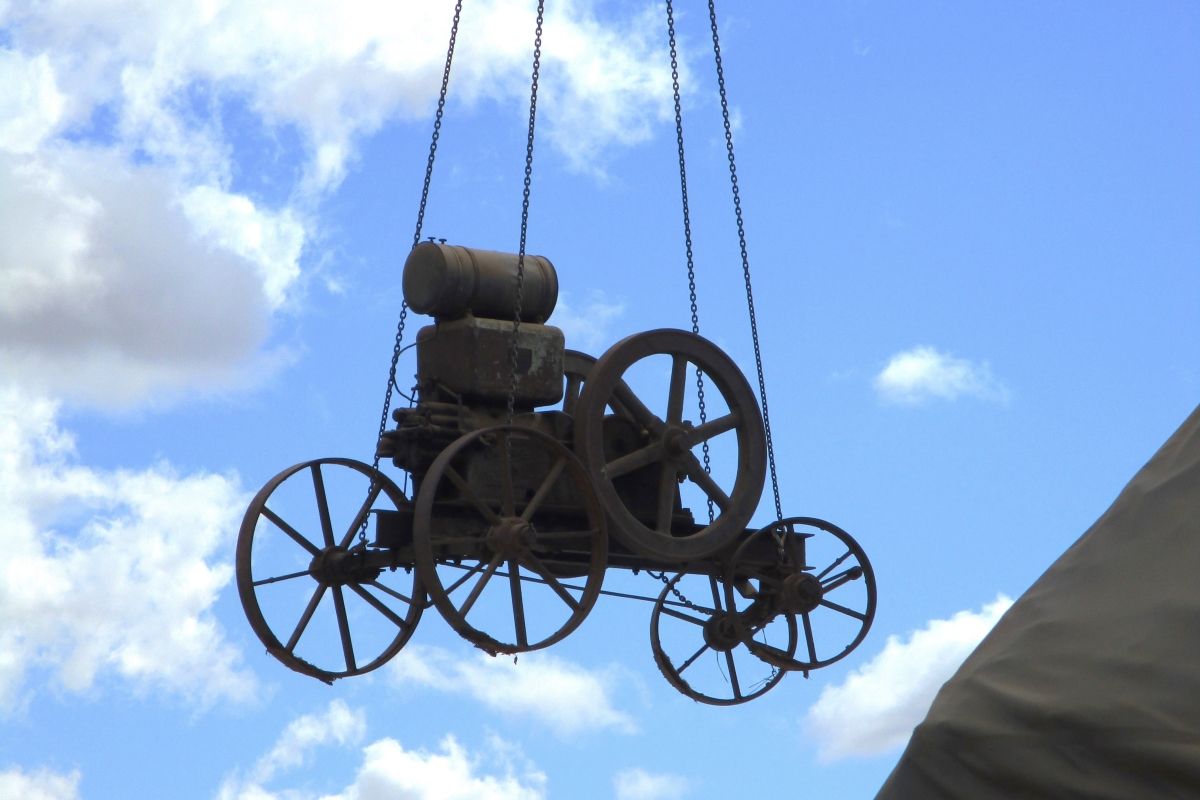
662	576
741	230
533	93
687	233
396	348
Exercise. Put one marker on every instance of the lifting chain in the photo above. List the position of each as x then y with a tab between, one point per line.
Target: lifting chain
396	348
741	229
687	231
512	348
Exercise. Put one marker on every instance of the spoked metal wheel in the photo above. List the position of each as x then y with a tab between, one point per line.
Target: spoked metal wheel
577	370
814	570
702	652
668	453
503	514
322	602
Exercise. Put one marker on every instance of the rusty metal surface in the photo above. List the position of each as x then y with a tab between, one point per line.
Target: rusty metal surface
450	281
468	358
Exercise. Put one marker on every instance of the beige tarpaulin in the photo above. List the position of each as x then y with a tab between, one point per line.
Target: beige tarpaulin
1089	687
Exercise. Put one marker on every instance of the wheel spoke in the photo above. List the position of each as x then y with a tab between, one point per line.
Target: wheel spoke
389	590
841	579
808	639
678	384
716	593
298	537
666	497
691	660
469	495
713	428
322	504
518	602
858	615
339	605
635	460
551	478
507	507
702	479
670	612
737	689
478	587
535	564
313	602
571	394
375	603
364	509
635	409
834	565
279	578
467	576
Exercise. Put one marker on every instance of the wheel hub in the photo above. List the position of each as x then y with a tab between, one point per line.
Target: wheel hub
720	633
511	537
802	592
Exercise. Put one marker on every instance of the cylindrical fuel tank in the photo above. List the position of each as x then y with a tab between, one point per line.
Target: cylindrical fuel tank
448	281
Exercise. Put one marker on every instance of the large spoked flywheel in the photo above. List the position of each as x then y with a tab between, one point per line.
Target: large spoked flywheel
662	440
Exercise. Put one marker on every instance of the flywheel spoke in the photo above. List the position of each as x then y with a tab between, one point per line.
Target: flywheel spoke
696	472
858	615
535	564
376	604
678	384
835	564
808	639
713	428
279	578
692	659
633	461
733	676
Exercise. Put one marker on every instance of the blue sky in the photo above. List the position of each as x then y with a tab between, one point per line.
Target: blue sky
973	237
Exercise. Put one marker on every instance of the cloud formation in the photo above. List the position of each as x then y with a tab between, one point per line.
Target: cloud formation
131	260
555	692
110	572
875	709
638	784
42	784
388	769
922	374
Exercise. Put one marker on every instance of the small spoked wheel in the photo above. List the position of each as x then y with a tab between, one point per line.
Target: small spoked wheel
669	454
322	602
815	571
502	516
703	651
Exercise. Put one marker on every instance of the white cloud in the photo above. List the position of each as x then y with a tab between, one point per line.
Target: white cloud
922	373
110	572
586	326
875	709
558	693
106	293
388	770
42	784
638	784
132	264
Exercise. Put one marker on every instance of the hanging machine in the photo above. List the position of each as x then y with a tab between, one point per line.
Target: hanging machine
535	469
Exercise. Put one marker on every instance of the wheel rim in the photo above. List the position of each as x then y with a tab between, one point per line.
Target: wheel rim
702	653
497	558
322	605
668	443
833	595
